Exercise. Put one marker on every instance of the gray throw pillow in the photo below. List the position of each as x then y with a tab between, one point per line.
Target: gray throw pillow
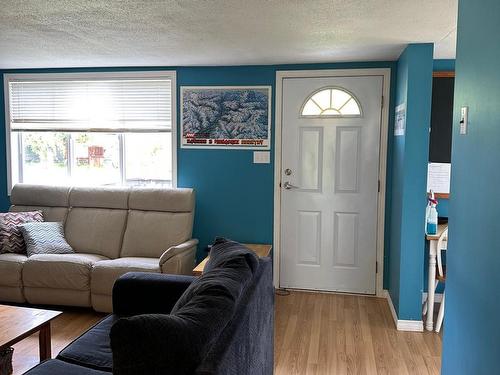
45	238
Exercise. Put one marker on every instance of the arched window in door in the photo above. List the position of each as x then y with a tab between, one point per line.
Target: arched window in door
331	102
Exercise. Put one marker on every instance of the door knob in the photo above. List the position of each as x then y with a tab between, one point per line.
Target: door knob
289	186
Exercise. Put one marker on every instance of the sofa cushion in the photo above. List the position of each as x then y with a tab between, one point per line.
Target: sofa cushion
49	213
57	367
59	271
96	230
92	349
150	233
224	252
220	279
53	201
247	341
45	238
39	195
11	267
11	238
99	197
167	200
105	273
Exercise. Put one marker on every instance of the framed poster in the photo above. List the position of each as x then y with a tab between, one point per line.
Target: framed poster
230	117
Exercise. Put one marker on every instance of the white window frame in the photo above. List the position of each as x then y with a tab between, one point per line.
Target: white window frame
170	74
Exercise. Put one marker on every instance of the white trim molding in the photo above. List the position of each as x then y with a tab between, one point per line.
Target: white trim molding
173	93
403	325
384	129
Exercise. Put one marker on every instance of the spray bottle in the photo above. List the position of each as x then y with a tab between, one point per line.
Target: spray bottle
431	216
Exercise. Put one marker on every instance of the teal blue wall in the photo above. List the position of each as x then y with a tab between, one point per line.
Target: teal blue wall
443	207
409	181
234	196
471	330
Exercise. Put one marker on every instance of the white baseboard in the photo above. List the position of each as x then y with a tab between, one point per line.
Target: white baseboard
438	297
403	325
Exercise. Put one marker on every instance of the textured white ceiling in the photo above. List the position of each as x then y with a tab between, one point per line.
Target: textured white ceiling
78	33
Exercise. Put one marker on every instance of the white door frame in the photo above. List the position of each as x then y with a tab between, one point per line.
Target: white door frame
384	126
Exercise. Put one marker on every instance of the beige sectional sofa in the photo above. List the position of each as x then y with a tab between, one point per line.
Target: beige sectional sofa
112	230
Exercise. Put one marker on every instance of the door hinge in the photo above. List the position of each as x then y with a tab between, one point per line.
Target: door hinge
376	267
378	186
382	104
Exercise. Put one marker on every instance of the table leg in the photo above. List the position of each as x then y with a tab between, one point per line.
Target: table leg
44	342
429	323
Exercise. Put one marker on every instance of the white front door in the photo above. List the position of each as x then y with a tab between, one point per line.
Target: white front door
329	182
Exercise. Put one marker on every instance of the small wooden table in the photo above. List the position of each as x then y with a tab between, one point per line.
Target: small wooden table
433	241
17	323
260	249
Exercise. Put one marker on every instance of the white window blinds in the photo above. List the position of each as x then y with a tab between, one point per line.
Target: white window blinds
84	104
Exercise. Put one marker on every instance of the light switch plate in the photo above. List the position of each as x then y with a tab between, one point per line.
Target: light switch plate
464	120
261	157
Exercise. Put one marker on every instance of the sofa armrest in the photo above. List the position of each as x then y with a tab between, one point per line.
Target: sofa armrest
153	344
179	259
147	293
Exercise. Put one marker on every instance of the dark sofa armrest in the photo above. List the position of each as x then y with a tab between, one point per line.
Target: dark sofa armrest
148	293
153	344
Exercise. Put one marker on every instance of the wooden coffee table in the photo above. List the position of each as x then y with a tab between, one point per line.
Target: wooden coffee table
17	323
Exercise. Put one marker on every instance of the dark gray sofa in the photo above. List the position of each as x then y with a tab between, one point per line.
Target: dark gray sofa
220	323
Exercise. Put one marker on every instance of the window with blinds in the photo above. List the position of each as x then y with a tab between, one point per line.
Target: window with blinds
91	128
91	104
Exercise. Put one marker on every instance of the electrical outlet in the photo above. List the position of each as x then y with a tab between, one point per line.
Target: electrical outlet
261	157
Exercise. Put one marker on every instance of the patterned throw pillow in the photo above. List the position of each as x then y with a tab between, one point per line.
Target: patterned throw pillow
11	239
45	238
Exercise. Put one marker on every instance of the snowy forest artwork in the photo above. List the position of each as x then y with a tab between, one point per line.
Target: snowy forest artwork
226	117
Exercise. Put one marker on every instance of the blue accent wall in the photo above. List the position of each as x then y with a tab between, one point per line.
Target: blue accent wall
471	330
409	181
234	196
443	207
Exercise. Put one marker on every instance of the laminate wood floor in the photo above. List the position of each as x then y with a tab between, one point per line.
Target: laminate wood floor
315	333
323	334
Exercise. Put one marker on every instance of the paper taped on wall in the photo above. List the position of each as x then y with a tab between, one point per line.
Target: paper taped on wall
438	177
